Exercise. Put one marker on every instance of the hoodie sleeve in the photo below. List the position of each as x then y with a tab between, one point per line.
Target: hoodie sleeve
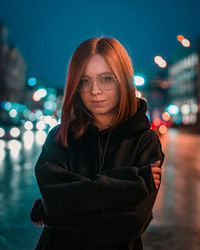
149	151
114	226
65	194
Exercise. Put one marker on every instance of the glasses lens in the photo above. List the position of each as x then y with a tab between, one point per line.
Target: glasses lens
104	82
84	83
106	79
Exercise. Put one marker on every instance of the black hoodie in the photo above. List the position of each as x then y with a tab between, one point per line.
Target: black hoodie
98	193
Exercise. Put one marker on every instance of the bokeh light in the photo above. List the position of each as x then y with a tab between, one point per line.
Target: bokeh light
157	122
173	109
40	137
15	132
160	61
13	113
2	144
138	94
14	145
7	106
2	132
28	139
32	81
2	154
185	109
139	80
166	116
40	93
40	125
185	42
180	38
162	129
28	125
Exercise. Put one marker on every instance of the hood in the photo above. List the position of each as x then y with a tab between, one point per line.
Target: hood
137	123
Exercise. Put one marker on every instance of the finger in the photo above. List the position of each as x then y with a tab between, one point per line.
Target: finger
156	176
157	182
156	170
157	163
38	223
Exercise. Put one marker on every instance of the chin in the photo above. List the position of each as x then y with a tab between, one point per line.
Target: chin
101	112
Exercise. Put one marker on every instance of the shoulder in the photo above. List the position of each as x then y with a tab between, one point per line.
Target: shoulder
150	146
51	140
149	138
52	149
52	134
150	135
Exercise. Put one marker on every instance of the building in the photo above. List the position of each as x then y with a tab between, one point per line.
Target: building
184	92
12	74
12	70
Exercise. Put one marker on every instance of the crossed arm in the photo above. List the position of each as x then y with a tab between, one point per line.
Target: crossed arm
156	171
130	216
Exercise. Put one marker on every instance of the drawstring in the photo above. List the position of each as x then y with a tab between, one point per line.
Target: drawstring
102	159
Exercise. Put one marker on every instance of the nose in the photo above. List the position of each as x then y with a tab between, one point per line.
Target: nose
95	90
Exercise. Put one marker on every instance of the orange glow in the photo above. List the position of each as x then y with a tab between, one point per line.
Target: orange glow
165	84
180	38
157	121
36	97
166	116
163	129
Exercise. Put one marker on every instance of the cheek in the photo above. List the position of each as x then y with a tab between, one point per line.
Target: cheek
115	97
84	99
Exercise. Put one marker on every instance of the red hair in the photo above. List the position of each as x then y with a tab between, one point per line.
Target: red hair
73	111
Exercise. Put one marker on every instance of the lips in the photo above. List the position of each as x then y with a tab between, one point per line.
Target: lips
97	103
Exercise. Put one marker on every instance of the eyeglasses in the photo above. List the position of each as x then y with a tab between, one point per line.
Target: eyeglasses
105	82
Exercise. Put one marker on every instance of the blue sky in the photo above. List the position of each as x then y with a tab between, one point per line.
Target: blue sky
48	32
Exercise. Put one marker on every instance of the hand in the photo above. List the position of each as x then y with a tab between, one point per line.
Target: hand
156	171
38	223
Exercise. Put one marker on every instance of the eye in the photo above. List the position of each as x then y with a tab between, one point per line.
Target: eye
107	79
84	82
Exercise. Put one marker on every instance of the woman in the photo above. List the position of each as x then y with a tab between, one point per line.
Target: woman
99	170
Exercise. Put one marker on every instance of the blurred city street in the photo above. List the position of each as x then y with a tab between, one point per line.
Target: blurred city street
176	223
43	79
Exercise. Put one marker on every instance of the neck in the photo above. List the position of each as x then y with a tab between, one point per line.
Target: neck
102	122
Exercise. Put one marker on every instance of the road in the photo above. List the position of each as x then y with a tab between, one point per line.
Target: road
176	223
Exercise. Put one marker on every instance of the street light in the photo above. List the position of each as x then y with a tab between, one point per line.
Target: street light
173	109
184	41
32	81
139	80
160	61
40	93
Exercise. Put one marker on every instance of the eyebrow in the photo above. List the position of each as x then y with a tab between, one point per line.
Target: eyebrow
103	73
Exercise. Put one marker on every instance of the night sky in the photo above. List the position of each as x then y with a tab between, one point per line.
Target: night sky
48	32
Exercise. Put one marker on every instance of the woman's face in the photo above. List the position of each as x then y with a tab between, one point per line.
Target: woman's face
100	99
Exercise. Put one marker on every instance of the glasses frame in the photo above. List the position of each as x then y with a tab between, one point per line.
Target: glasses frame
91	80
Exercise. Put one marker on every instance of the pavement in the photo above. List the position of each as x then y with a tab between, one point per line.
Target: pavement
176	224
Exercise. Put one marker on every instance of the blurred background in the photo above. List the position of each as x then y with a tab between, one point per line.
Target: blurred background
37	40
